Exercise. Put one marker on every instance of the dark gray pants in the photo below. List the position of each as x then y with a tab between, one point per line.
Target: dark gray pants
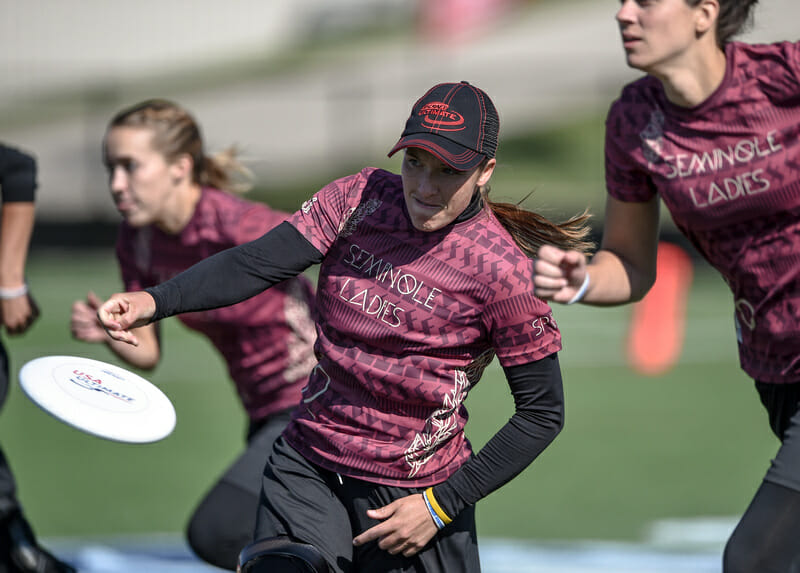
223	522
767	538
302	501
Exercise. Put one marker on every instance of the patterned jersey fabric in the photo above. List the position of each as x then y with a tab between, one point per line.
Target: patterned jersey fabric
729	172
408	320
266	341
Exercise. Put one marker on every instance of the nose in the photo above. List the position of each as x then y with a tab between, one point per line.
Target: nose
426	186
625	12
117	179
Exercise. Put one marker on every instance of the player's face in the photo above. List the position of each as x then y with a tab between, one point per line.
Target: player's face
657	34
435	193
141	181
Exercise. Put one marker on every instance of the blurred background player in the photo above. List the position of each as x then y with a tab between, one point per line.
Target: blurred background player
19	551
177	211
423	281
714	131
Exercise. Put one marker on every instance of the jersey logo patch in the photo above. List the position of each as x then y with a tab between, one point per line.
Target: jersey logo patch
357	215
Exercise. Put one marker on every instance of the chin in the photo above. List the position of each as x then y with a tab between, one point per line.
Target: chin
137	222
425	225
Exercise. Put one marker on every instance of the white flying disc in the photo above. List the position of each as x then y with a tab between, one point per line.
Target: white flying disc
98	398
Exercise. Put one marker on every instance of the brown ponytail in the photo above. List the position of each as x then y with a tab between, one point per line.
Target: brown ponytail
531	230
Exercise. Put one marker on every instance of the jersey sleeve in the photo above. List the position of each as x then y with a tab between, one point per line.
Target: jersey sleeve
254	220
17	175
520	325
792	55
625	179
321	218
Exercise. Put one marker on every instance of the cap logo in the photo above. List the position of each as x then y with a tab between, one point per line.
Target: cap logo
439	116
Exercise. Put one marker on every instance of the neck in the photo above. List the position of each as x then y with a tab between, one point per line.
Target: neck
180	209
691	83
474	207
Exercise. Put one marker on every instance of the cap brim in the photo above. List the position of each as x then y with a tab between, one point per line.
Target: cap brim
456	156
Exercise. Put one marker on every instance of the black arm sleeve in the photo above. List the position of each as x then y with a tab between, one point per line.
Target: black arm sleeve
537	420
17	175
236	274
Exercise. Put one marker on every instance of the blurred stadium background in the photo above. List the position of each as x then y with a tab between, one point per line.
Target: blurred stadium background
648	474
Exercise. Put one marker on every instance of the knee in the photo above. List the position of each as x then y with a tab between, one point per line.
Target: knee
281	554
745	554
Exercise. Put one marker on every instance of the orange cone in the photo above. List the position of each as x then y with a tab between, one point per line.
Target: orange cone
658	321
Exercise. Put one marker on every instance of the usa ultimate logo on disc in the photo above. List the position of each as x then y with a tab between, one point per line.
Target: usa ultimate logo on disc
99	387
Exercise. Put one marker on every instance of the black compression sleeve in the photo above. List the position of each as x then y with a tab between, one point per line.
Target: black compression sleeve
537	420
237	273
17	175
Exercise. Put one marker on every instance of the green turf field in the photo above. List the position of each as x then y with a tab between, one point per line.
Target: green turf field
634	449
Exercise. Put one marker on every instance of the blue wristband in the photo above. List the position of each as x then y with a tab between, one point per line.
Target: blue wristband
436	519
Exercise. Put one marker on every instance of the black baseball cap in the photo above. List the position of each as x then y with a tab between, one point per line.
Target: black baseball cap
457	123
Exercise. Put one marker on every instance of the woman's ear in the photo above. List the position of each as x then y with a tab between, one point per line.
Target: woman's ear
707	14
486	172
181	169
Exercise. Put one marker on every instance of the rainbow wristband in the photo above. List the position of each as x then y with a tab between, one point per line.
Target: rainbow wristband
434	505
439	523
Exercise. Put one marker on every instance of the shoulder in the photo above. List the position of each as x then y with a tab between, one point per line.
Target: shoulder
234	217
764	61
370	179
495	251
778	51
771	69
229	205
634	106
369	183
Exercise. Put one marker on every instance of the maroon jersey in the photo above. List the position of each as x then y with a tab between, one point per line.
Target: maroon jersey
266	341
729	172
408	320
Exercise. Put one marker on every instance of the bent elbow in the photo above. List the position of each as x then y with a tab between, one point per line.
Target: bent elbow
642	286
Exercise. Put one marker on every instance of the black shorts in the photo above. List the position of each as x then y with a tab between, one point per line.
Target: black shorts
782	402
312	505
246	471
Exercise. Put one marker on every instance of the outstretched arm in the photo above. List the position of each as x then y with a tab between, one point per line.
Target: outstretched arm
223	279
622	271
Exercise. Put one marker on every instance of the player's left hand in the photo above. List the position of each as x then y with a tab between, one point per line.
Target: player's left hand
406	526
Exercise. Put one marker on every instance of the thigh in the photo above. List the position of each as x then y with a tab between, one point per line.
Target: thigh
765	540
297	501
246	471
454	549
781	401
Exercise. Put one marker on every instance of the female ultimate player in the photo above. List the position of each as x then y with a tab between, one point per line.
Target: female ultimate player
176	212
714	131
423	280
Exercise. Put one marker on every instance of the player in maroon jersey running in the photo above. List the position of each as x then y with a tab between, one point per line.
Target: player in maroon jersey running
423	281
713	131
176	213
